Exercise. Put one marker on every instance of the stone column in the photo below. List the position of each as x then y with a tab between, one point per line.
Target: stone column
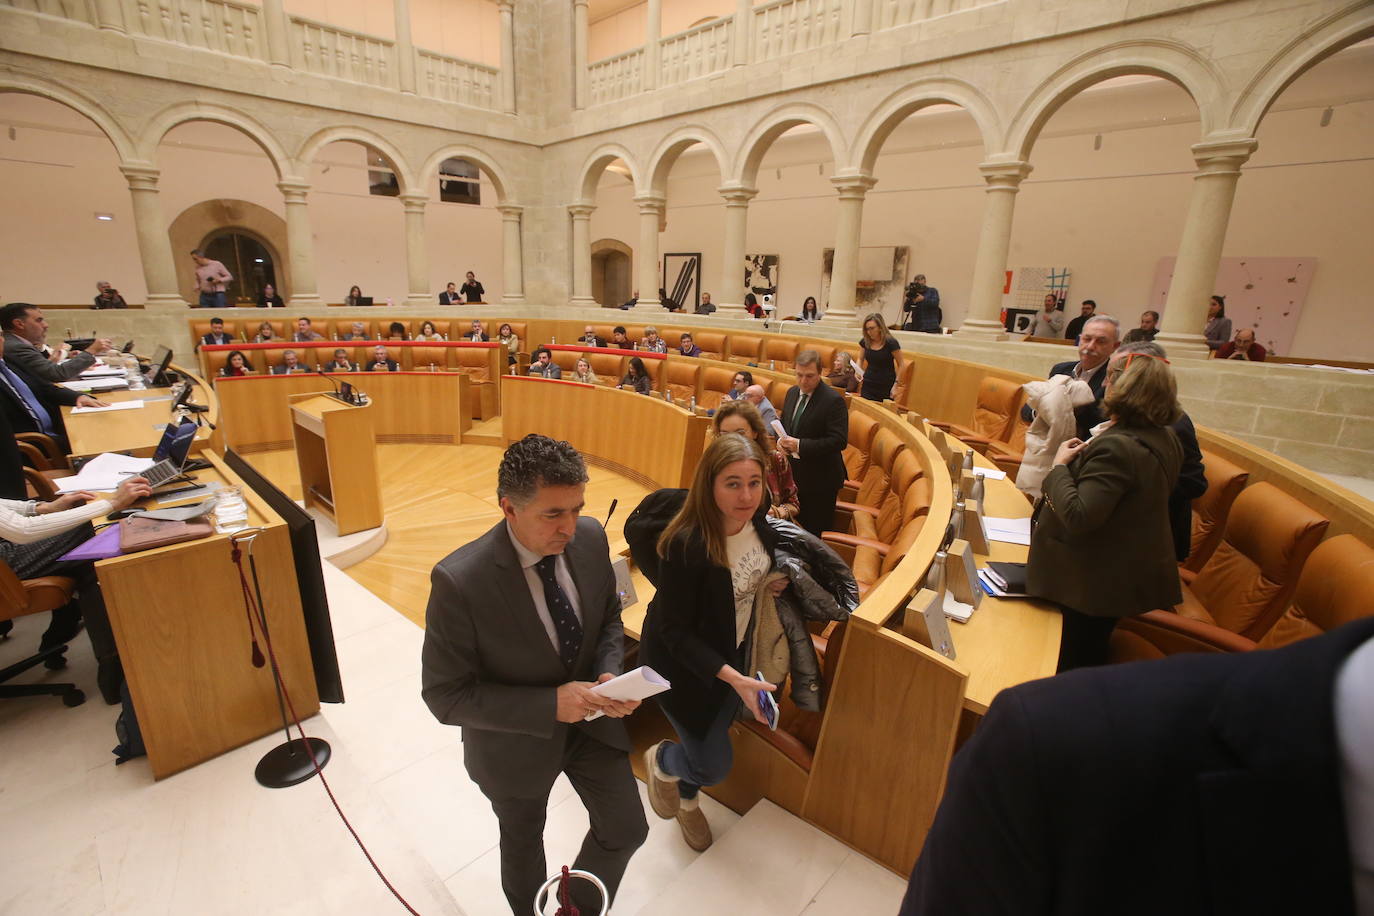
405	47
730	299
863	17
507	10
300	242
1199	251
582	254
845	266
579	53
417	255
150	224
278	28
990	265
512	261
646	272
109	15
653	30
743	29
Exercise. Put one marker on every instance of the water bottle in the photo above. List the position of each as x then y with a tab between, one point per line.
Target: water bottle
692	403
552	340
977	490
935	576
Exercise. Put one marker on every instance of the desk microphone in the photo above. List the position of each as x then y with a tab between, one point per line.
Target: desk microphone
338	392
610	512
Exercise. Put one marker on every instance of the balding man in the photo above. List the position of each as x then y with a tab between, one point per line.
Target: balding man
755	395
1243	347
1097	341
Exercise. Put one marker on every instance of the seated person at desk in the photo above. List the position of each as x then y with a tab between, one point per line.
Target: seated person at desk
237	364
32	405
25	329
637	377
582	372
357	332
740	384
589	338
477	334
843	375
217	333
450	295
543	364
755	395
305	333
397	331
744	418
652	342
620	339
341	362
686	347
429	332
507	336
1243	347
290	364
32	537
265	333
354	294
380	362
268	298
705	306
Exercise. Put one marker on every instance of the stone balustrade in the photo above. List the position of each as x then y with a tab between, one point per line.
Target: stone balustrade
699	51
453	79
616	77
331	51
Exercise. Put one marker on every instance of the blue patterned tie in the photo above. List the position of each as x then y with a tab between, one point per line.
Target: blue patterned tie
561	610
24	394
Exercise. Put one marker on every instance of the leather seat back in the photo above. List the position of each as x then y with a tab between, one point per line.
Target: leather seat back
712	344
715	385
421	358
873	488
682	378
906	469
780	353
862	429
1224	483
1247	582
744	348
1333	590
998	401
608	367
906	368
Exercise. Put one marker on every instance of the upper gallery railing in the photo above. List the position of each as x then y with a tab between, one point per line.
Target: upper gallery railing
699	51
242	30
616	77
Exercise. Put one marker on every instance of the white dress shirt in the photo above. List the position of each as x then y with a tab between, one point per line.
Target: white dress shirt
561	573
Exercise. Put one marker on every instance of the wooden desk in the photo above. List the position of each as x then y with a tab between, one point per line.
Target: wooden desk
135	431
178	618
336	451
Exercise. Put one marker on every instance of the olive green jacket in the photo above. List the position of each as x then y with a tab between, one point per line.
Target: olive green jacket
1102	544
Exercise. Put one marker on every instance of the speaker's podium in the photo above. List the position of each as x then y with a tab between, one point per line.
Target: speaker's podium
336	451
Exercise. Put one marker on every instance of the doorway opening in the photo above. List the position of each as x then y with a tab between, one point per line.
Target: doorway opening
611	283
248	258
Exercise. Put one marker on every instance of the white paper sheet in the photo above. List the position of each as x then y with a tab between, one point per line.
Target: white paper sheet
990	473
95	384
1008	530
639	684
118	405
103	472
102	372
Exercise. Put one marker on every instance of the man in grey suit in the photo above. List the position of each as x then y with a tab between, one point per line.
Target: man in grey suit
521	624
25	329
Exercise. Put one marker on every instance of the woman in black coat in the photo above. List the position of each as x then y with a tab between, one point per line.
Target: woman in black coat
715	554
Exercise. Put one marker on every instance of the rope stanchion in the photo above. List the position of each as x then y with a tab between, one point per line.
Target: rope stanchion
563	881
283	766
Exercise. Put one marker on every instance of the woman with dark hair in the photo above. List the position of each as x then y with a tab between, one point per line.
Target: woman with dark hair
637	377
809	314
751	305
879	356
268	298
1218	329
354	294
429	332
237	364
743	417
397	331
1102	547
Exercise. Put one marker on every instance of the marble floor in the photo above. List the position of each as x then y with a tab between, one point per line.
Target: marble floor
87	838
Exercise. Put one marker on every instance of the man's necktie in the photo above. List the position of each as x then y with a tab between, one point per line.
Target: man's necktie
565	620
796	414
25	396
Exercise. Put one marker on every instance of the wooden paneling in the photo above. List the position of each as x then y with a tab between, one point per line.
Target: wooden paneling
336	451
645	438
179	620
135	431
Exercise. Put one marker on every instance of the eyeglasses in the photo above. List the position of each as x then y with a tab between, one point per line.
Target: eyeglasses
1126	363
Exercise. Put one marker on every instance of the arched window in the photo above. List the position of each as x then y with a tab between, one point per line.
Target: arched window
460	182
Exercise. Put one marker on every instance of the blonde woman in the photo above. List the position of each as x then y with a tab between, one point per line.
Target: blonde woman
507	337
843	376
744	418
879	359
652	342
582	372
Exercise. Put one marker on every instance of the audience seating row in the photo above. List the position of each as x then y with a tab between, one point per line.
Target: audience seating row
455	329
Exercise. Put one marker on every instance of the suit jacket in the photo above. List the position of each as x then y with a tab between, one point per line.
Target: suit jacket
335	366
823	430
212	339
1103	544
49	395
484	338
1199	784
391	365
488	664
595	342
447	298
25	357
1089	415
551	371
282	370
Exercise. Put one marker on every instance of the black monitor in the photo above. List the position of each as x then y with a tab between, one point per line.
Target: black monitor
176	442
128	347
363	300
157	368
305	550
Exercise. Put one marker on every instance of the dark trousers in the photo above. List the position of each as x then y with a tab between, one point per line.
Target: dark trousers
1085	640
602	778
816	508
700	761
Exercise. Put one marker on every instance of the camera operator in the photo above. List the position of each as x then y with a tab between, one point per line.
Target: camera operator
109	297
921	307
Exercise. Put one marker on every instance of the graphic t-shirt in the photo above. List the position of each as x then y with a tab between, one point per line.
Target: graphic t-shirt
749	563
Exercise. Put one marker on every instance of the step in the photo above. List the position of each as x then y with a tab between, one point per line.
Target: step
772	863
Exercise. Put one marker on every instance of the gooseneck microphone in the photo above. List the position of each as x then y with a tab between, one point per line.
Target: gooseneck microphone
338	392
610	512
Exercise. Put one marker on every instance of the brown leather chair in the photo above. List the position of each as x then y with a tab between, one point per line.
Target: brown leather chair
1225	481
682	377
715	385
881	523
40	483
1009	455
1246	584
862	429
19	598
745	348
780	353
871	561
799	730
872	489
608	367
999	400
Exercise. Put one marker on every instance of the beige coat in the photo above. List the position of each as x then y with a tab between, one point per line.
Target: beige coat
1053	401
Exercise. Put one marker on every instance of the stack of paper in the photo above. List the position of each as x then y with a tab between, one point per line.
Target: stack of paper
1003	580
1008	530
103	472
102	372
639	684
112	383
118	405
990	473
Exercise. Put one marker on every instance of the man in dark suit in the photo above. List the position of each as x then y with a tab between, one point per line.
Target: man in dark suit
817	422
1216	784
31	405
25	330
521	624
477	334
1097	341
217	333
380	362
543	365
290	364
450	295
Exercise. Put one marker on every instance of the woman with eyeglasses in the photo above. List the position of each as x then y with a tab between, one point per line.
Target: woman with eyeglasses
1101	546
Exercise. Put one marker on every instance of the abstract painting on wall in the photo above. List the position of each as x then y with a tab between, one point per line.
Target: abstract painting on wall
880	279
682	279
761	275
1023	296
1264	294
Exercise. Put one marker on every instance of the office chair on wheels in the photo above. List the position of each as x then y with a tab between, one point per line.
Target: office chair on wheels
19	598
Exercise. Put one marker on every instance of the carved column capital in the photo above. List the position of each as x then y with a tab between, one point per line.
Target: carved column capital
141	176
1005	176
414	202
853	187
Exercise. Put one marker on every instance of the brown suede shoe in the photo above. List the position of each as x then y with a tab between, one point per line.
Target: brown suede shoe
663	797
695	829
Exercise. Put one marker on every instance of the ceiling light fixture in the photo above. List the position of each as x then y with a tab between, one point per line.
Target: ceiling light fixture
105	217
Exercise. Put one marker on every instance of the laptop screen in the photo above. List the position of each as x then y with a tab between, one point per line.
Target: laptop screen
176	442
162	356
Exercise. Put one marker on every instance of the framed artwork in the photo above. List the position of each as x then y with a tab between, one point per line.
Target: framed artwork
682	279
1026	288
1264	294
761	275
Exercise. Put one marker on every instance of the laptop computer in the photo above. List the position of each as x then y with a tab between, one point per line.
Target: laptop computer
363	300
171	452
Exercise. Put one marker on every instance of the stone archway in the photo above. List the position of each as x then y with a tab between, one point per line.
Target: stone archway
611	277
198	222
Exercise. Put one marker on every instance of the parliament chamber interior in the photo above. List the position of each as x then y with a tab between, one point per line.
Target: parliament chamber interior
622	204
